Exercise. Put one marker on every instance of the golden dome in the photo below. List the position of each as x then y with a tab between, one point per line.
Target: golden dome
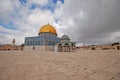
47	28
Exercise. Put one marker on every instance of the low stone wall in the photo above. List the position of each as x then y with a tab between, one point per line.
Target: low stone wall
38	48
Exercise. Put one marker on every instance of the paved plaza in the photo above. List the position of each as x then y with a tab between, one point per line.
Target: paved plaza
79	65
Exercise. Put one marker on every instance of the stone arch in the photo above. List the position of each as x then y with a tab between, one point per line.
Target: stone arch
59	44
66	47
60	47
73	44
66	44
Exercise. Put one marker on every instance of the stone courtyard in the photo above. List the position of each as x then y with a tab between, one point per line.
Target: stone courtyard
79	65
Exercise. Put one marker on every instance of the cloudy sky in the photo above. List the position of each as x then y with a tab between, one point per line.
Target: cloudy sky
85	21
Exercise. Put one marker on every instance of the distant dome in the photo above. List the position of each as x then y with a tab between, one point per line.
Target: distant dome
47	28
65	37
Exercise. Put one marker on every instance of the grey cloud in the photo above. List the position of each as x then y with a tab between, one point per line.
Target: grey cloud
101	20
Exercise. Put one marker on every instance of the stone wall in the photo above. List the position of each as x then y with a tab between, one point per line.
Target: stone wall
38	48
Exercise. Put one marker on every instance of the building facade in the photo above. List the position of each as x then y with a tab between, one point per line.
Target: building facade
46	40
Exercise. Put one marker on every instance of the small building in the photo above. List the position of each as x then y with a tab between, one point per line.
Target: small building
65	45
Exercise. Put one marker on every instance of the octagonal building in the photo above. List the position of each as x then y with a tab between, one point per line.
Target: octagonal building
45	41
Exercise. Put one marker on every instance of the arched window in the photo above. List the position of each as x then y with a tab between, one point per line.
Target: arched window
60	44
46	42
27	42
39	43
66	44
30	42
42	42
33	42
36	42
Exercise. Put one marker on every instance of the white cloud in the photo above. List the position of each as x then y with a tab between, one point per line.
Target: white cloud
38	2
40	17
27	22
6	8
7	35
